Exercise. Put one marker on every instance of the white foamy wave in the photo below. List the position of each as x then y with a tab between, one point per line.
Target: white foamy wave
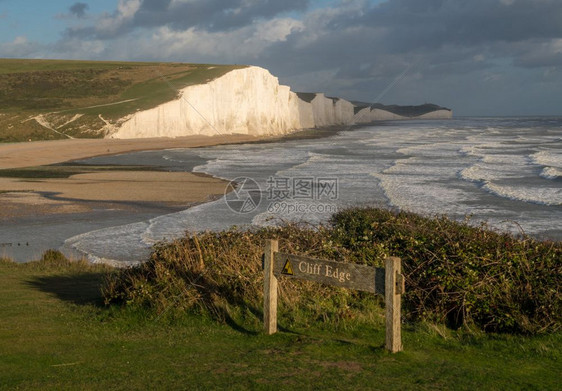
119	246
370	165
417	194
548	158
248	161
551	173
551	161
487	172
474	173
544	195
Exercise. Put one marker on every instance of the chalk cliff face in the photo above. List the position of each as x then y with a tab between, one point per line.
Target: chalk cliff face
437	114
248	101
383	115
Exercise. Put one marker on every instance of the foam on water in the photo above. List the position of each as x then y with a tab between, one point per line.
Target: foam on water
551	173
551	160
542	195
494	169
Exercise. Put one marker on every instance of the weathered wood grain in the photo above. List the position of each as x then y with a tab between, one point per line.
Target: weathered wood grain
270	288
345	275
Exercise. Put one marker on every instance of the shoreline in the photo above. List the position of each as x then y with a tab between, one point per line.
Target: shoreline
48	152
48	193
92	194
42	153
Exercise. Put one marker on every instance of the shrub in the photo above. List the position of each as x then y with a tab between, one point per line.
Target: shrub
455	274
221	274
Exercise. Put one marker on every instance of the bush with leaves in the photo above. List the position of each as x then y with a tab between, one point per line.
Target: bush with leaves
455	273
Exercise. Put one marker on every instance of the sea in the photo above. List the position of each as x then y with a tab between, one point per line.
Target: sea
502	172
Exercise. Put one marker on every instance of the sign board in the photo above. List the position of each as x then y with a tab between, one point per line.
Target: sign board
345	275
388	281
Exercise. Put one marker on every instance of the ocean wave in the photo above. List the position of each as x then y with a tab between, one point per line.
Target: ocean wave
551	161
416	193
544	196
370	166
551	173
119	245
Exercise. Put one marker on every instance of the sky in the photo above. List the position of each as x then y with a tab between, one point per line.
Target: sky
477	57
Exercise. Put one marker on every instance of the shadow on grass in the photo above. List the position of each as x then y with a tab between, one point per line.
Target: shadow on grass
81	289
237	326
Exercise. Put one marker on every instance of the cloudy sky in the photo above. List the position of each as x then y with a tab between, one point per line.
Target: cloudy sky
478	57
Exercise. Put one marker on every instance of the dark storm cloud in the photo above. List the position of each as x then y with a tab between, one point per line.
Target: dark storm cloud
433	23
78	9
350	48
212	15
455	36
209	15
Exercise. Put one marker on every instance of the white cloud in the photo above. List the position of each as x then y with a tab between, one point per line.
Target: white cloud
126	10
19	47
277	29
20	40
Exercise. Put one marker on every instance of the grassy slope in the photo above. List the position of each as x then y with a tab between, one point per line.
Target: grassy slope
54	334
62	89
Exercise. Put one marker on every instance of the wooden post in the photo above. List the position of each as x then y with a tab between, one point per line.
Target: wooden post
270	289
393	289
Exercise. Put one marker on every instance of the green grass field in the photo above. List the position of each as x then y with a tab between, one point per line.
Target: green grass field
76	98
56	334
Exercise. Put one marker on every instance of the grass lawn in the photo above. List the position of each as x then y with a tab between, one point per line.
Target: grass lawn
55	334
76	98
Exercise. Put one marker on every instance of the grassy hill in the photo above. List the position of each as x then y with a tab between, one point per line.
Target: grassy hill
55	99
191	316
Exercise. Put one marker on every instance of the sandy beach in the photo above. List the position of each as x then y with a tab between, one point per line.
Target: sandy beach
37	153
115	189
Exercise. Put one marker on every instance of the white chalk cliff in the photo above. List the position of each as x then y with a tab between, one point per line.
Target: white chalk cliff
248	101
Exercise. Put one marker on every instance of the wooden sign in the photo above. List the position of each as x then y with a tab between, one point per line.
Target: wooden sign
388	282
345	275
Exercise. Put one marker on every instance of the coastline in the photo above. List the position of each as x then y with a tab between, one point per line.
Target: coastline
40	153
74	193
93	194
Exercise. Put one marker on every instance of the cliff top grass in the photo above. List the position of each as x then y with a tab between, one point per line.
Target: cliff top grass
80	98
56	333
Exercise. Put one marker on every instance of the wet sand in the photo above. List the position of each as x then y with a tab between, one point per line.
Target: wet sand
38	153
116	189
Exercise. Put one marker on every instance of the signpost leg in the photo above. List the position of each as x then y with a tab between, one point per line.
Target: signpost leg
270	289
393	290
